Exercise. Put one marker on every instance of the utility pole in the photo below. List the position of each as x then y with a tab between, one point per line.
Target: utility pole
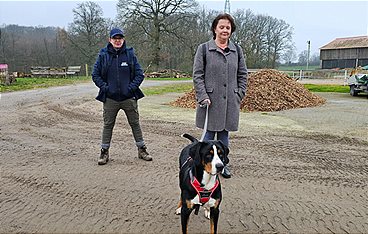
308	54
227	6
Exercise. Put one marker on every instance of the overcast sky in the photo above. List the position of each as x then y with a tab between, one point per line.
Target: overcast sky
317	21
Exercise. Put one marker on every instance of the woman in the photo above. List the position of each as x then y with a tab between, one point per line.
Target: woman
220	79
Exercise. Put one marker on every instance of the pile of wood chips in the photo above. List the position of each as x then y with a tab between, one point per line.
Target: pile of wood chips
267	90
167	73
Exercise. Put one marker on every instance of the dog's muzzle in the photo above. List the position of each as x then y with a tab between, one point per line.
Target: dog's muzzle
219	167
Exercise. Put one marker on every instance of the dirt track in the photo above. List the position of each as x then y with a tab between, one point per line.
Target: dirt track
296	171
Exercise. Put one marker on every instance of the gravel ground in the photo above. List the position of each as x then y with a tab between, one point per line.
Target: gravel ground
295	171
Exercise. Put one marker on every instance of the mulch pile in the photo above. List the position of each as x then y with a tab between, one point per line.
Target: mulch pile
267	90
167	73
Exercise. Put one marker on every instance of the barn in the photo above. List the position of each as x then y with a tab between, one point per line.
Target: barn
348	52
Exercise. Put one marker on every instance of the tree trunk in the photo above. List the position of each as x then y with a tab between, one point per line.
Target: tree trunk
156	39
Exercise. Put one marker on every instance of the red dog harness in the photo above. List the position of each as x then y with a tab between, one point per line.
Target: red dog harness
204	194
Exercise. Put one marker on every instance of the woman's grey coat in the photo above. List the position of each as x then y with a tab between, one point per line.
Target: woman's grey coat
223	81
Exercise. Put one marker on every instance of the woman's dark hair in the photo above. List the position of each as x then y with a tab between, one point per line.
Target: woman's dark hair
218	18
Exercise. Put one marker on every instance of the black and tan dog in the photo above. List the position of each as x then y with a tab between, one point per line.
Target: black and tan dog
200	163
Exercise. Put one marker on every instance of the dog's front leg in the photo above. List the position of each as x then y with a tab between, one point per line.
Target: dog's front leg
214	216
211	203
184	215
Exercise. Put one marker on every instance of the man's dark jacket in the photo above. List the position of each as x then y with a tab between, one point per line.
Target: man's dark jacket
118	74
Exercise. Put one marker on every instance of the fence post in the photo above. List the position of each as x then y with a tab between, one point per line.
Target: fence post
87	70
300	74
346	78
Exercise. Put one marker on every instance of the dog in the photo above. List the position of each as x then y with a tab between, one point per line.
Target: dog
200	163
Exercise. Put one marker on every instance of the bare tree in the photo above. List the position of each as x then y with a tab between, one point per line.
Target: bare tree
2	45
303	56
64	46
251	35
163	32
88	31
315	60
199	29
263	38
183	43
289	54
153	18
279	35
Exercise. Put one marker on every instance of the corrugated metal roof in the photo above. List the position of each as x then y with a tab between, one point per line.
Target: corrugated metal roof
347	43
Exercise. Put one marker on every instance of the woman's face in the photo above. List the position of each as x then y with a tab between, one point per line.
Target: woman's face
223	29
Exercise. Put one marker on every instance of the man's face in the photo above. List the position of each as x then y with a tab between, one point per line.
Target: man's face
117	41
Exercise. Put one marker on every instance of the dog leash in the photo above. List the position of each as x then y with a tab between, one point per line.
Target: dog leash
205	121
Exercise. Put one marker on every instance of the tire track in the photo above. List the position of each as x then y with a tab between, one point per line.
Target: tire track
329	165
284	182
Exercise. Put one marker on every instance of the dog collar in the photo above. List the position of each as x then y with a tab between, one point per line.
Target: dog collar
204	194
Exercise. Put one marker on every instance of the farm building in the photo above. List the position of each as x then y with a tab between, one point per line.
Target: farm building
348	52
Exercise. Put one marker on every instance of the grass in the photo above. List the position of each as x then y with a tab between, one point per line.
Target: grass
181	88
171	79
174	88
327	88
34	83
294	68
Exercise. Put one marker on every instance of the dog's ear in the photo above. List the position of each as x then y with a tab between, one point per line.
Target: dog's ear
194	152
226	151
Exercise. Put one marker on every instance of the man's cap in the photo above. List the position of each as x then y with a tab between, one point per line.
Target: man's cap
116	31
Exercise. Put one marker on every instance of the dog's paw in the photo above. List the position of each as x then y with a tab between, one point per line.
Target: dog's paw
206	213
178	211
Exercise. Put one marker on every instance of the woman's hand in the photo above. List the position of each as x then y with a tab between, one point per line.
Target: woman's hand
206	102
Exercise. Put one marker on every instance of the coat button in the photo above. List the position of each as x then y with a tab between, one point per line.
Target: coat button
224	85
224	97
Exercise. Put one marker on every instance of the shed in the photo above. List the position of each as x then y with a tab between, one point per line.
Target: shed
4	75
347	52
3	70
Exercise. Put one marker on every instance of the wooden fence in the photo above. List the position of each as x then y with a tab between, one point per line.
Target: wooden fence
55	72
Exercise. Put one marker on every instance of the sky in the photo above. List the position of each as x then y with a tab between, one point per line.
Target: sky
319	22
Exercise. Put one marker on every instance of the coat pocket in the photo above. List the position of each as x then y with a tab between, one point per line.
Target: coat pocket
209	90
238	94
101	95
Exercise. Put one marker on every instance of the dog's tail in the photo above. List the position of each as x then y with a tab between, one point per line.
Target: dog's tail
191	138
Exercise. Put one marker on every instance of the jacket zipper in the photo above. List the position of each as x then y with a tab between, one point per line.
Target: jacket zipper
117	74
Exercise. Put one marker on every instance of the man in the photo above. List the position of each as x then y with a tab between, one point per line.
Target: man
118	75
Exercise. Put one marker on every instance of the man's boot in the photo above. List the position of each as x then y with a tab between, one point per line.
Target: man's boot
104	157
143	154
226	172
